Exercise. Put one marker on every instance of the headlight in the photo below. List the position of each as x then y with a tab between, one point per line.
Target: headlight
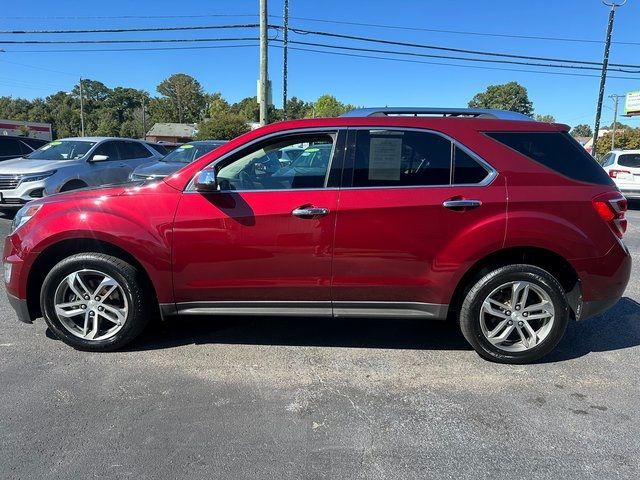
37	176
23	216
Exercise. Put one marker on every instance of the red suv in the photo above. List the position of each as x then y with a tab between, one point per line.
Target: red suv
485	217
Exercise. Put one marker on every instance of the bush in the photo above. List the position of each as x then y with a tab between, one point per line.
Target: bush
223	127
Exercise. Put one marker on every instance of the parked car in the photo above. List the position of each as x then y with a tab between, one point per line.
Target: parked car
174	161
14	147
70	164
464	218
623	166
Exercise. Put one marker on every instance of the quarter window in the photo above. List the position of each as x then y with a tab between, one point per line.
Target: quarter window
267	167
465	169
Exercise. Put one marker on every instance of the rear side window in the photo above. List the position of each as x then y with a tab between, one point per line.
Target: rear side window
158	148
401	158
557	151
129	150
9	147
631	160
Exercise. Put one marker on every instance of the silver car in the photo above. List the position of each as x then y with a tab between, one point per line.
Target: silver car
69	164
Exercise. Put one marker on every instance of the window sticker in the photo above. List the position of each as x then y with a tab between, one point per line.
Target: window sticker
385	158
186	146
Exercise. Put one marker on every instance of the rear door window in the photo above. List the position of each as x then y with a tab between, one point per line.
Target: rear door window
631	160
557	151
10	147
131	150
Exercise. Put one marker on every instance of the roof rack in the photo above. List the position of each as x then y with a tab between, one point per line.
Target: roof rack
445	112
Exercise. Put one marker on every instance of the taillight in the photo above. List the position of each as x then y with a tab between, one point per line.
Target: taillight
614	173
611	207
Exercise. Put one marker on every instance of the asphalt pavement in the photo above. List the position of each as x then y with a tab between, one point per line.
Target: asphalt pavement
308	398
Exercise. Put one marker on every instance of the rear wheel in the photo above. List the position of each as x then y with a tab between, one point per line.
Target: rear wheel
515	314
93	301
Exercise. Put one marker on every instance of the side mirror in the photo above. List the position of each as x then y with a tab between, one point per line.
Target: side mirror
99	158
206	182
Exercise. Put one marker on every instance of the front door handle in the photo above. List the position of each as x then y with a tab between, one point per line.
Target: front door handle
310	212
461	204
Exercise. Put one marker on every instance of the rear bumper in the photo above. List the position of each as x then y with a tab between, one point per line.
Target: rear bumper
603	280
21	308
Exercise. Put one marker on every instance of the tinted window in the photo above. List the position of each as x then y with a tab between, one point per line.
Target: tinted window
631	160
260	168
129	150
608	159
557	151
34	143
9	147
466	170
401	158
109	149
158	148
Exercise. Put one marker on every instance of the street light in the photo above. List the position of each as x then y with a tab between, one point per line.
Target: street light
603	76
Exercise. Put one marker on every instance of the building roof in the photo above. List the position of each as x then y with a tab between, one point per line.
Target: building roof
187	130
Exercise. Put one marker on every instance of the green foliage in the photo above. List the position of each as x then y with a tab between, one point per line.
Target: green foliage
509	96
224	126
330	106
545	118
297	109
185	97
626	139
582	130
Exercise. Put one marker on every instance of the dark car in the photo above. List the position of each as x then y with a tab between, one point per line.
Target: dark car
15	147
174	160
504	225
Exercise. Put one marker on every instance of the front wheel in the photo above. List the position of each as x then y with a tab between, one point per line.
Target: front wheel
93	301
515	314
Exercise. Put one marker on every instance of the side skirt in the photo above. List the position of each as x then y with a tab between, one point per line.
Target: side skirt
431	311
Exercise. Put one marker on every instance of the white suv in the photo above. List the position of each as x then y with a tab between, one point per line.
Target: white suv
623	166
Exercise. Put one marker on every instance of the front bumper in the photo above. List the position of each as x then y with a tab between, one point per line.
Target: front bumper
23	193
21	308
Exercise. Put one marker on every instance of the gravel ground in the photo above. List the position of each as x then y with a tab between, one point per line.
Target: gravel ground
308	398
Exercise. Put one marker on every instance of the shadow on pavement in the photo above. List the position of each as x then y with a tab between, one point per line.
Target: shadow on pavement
317	332
616	329
634	204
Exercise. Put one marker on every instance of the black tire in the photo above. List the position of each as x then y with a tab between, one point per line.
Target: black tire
469	318
73	185
128	277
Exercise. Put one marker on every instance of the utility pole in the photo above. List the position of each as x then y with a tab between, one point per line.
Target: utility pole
603	76
81	110
264	82
615	97
144	121
285	57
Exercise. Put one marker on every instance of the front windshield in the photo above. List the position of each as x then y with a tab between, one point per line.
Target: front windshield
189	152
62	150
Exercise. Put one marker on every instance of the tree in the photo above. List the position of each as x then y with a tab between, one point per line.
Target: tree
329	106
582	130
509	96
250	109
216	105
297	108
626	139
545	118
619	126
185	97
222	127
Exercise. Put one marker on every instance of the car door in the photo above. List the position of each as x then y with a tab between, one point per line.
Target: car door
104	172
264	240
409	215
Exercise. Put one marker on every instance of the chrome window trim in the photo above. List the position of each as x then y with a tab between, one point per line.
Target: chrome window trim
335	130
492	173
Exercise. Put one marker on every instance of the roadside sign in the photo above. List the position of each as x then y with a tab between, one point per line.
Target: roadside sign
632	103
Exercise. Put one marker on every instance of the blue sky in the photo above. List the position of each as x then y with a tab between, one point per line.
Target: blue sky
361	81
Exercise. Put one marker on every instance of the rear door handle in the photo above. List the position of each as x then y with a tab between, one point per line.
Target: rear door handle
461	204
310	212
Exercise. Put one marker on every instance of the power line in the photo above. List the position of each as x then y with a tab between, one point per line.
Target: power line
139	49
459	32
447	49
405	60
124	30
119	17
449	57
103	42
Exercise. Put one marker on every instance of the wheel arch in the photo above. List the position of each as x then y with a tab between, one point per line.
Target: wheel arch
546	259
50	256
